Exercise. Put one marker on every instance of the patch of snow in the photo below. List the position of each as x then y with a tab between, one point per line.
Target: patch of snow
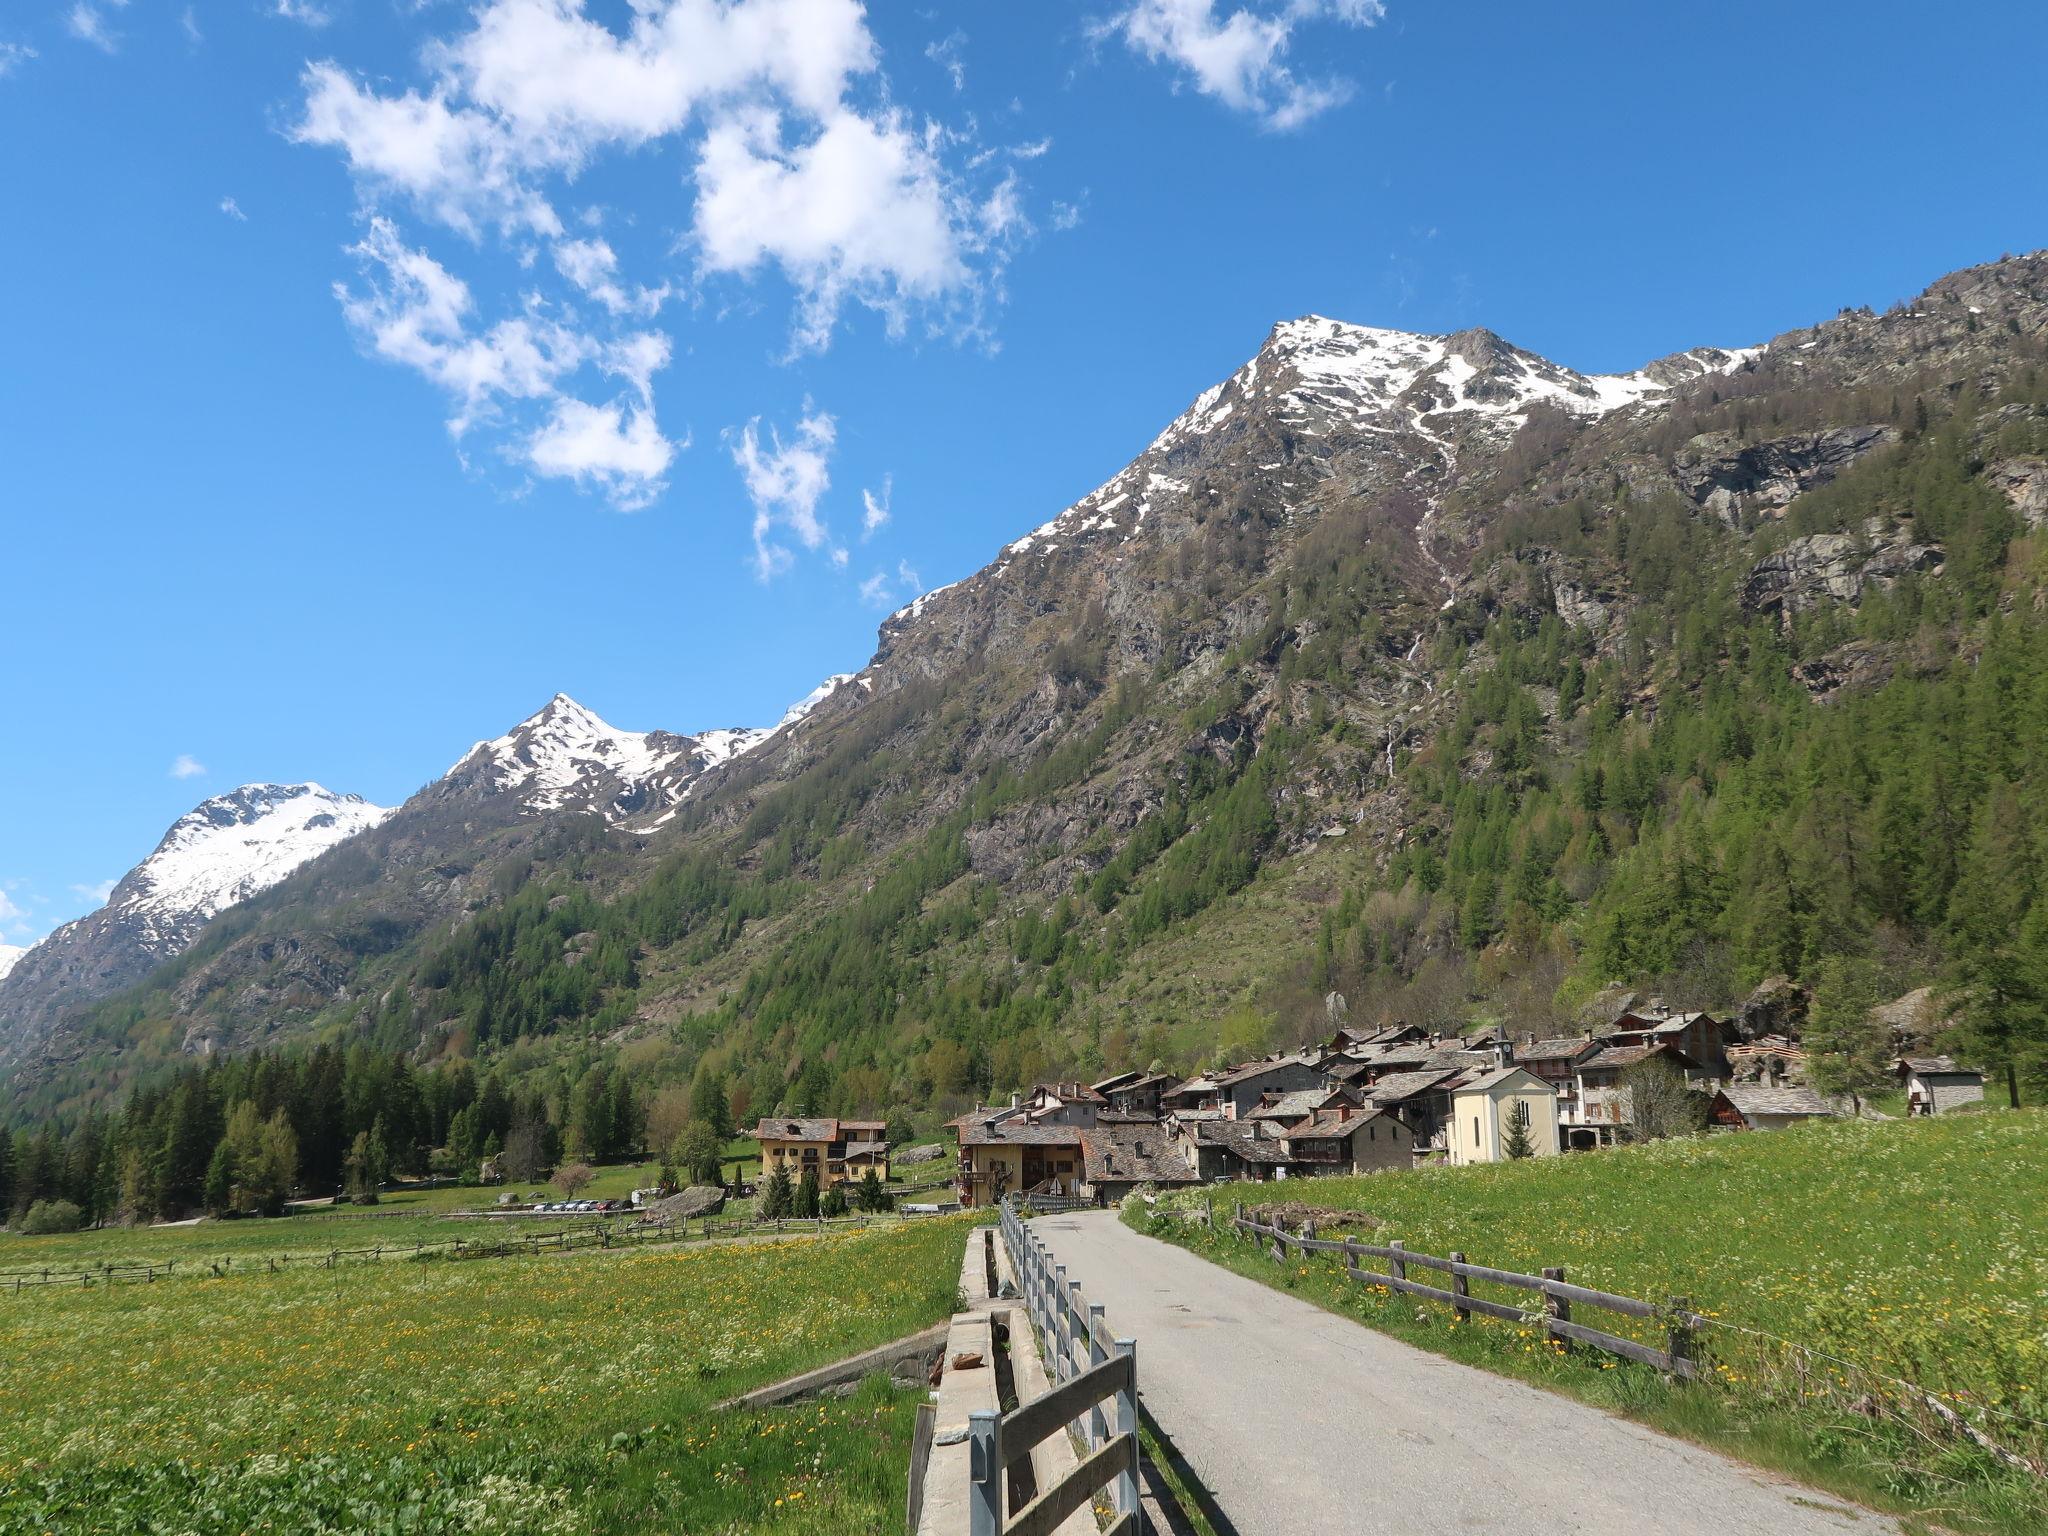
226	849
10	954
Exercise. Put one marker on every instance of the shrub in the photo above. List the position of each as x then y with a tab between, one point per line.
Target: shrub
47	1216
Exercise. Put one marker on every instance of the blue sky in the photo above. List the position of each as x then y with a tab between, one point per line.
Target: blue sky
371	370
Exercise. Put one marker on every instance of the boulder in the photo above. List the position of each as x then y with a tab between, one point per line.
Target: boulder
1857	666
1736	480
1776	1007
684	1205
911	1156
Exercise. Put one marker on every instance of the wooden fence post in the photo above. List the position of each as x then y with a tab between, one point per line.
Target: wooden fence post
1678	1340
1557	1308
1461	1287
1398	1263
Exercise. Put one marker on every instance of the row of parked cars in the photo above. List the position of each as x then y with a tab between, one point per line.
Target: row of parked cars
576	1207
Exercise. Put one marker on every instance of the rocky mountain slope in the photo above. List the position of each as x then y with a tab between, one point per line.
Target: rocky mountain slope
1325	684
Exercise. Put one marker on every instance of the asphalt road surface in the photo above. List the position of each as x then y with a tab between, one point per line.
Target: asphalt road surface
1302	1423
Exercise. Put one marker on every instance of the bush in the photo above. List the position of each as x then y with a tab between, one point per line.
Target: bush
47	1216
833	1202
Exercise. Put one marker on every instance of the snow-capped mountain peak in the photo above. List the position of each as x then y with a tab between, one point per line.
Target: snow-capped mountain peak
226	849
9	954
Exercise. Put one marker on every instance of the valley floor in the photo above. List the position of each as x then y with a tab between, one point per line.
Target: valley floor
559	1394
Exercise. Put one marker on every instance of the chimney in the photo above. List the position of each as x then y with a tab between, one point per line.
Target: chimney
1343	1112
1013	1101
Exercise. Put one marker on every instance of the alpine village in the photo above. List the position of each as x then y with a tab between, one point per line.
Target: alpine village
1459	945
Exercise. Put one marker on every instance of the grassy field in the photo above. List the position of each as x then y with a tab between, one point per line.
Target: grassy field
1907	1252
559	1394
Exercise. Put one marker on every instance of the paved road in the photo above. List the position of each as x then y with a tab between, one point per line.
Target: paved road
1303	1423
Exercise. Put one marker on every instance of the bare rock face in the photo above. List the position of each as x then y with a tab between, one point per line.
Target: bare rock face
1857	667
910	1156
1837	567
1737	481
697	1200
2025	483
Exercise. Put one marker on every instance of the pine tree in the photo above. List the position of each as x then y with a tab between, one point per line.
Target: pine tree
872	1196
777	1195
1519	1143
833	1201
1848	1047
806	1205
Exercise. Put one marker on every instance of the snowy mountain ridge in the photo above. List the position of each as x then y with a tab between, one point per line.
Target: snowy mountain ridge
228	848
9	955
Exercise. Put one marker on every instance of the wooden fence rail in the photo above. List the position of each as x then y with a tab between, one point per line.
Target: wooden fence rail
1553	1313
561	1240
1093	1392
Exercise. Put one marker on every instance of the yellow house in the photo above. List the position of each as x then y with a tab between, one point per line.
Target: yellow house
834	1151
1483	1109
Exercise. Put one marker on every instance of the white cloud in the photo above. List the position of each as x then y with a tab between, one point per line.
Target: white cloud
87	21
1239	58
875	509
188	19
785	482
97	893
454	163
593	267
233	210
304	11
616	447
415	312
802	170
13	56
186	766
891	591
946	54
862	211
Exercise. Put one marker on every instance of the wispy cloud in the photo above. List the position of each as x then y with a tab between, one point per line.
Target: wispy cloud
891	590
786	481
233	210
946	53
88	21
186	766
13	56
94	893
874	511
1240	58
304	11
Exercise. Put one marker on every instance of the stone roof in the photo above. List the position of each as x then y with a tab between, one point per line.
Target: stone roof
1396	1086
1487	1081
1562	1048
796	1128
1292	1106
1755	1099
1017	1133
1240	1137
1937	1066
1330	1125
1142	1154
1251	1070
866	1148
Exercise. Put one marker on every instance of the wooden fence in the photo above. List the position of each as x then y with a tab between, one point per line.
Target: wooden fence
561	1240
1553	1312
1093	1392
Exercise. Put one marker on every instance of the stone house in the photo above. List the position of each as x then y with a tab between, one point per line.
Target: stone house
1348	1139
1936	1084
1753	1107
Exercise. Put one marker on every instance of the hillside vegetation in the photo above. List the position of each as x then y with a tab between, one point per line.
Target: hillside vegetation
1844	1265
1463	735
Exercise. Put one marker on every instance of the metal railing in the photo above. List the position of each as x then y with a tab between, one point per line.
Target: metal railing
1093	1392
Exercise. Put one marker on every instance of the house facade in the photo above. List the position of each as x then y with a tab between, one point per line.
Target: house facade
1754	1107
1936	1084
1002	1153
831	1151
1483	1110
